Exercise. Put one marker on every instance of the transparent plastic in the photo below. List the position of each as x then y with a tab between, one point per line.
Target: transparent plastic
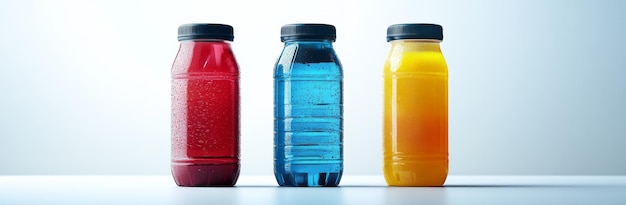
415	125
205	114
308	111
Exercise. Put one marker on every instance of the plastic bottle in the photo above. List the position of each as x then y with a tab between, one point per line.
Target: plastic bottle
205	107
415	127
308	109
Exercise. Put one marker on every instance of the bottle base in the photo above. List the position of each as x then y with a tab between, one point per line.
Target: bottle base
204	175
326	179
417	174
309	175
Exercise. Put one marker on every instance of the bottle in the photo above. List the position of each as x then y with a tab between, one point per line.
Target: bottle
308	108
205	107
415	125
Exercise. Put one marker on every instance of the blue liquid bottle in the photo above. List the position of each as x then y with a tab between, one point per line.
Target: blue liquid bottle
308	108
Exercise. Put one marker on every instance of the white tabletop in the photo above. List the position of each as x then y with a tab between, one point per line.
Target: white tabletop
352	190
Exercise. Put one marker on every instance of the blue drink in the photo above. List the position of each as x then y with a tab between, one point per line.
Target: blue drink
308	123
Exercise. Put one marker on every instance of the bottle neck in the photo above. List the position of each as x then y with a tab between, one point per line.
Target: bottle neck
414	45
326	43
204	43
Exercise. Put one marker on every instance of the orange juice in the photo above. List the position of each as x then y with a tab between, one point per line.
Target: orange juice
415	125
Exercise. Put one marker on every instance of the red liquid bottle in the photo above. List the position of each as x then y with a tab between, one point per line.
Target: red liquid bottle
205	107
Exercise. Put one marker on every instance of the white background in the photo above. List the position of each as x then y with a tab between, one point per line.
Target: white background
536	87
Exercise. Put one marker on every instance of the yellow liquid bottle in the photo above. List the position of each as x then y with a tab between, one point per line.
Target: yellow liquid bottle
415	125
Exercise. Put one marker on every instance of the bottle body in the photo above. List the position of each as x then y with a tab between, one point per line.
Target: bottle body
415	125
205	114
308	115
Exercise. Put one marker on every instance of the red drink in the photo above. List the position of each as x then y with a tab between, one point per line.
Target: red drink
205	107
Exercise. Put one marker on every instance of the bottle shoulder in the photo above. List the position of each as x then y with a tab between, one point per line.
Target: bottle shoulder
205	58
308	60
415	57
432	62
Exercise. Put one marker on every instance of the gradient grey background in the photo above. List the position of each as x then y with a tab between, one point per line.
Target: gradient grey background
536	87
